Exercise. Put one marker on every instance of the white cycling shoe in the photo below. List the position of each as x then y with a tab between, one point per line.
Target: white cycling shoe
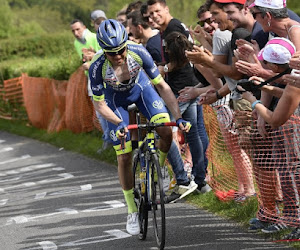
133	226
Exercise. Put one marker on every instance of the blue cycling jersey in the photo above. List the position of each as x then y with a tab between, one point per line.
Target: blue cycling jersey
139	62
138	89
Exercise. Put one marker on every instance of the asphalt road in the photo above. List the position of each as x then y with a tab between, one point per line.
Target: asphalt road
54	199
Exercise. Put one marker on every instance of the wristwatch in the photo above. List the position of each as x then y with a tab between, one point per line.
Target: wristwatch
166	68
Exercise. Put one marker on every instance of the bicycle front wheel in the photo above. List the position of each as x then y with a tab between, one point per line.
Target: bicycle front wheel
140	197
157	202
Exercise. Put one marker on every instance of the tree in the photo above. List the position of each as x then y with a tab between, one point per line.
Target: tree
5	20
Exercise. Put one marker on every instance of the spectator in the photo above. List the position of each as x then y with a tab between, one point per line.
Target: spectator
86	46
222	64
97	17
277	54
133	7
159	12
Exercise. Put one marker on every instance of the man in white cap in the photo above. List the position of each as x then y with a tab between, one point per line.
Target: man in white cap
97	17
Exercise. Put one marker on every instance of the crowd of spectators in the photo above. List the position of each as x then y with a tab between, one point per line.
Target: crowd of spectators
230	60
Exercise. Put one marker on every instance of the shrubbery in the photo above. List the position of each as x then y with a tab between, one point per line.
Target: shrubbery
56	67
36	46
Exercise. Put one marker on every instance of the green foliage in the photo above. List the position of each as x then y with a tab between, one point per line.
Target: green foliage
37	45
57	67
5	20
294	5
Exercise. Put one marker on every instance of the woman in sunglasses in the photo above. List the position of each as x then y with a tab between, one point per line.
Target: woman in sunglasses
120	76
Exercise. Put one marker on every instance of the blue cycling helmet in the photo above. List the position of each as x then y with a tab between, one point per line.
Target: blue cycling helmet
111	35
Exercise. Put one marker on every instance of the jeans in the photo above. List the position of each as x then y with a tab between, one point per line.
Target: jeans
188	111
104	126
176	162
103	123
202	133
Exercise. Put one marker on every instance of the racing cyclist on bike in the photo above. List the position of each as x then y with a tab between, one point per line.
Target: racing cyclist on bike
122	75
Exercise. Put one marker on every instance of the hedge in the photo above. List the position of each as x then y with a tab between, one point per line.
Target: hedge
36	46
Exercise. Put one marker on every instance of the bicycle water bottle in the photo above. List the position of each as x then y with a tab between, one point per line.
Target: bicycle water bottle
143	179
142	174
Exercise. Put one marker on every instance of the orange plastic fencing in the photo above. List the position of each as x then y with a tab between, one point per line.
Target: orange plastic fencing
11	95
240	158
51	104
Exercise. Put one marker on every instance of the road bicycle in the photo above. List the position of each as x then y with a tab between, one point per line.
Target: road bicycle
148	181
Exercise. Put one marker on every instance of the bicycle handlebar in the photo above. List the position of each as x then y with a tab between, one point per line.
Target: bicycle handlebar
136	126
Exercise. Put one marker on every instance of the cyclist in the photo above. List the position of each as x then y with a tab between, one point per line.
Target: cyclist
120	76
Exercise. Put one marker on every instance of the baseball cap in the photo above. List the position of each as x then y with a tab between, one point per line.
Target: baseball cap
97	13
278	50
231	1
271	4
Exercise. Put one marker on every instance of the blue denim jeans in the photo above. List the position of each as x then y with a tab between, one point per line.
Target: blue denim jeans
189	112
104	126
103	123
176	162
202	133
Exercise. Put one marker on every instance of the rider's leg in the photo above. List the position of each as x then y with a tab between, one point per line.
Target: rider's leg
126	180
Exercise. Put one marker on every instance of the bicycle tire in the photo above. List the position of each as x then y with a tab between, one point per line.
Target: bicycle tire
140	199
157	202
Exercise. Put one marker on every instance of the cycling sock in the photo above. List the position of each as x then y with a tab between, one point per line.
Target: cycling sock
162	157
129	197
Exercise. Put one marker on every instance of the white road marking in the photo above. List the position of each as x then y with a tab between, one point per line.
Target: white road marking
63	176
27	169
23	157
1	141
3	202
65	191
108	206
111	235
6	149
48	245
27	218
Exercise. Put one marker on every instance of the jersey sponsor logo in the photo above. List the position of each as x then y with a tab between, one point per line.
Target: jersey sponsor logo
154	68
157	104
112	135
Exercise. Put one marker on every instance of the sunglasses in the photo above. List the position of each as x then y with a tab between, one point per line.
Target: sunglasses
254	14
115	53
201	23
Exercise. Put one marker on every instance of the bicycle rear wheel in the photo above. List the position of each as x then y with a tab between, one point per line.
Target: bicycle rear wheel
157	202
140	198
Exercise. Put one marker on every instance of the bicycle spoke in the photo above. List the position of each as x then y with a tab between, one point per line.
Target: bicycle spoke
140	198
157	199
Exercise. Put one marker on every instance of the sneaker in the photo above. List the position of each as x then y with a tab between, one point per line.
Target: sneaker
274	228
204	188
294	235
181	191
173	197
187	188
133	225
257	225
252	221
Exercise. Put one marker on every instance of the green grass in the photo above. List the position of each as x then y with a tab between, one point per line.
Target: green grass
83	143
88	143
